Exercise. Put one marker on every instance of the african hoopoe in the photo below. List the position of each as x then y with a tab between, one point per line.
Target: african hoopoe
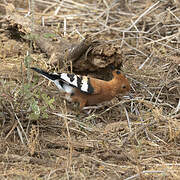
88	90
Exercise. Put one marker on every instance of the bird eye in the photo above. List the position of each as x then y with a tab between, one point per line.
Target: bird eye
124	87
118	72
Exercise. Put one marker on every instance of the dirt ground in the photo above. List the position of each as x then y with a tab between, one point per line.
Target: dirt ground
44	137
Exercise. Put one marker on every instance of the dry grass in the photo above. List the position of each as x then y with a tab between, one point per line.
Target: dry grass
43	137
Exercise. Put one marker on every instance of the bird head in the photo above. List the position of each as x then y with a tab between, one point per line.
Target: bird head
121	81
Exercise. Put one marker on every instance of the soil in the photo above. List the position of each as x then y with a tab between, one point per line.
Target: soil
45	137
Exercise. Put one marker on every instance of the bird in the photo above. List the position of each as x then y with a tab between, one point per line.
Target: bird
88	91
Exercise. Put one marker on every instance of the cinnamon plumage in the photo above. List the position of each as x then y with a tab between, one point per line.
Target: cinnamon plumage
85	90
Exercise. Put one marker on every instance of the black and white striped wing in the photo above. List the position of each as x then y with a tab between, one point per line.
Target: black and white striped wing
66	82
81	82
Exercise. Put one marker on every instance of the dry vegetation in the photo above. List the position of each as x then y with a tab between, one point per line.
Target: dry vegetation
44	137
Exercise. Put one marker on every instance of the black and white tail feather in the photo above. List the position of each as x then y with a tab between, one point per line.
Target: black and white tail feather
67	82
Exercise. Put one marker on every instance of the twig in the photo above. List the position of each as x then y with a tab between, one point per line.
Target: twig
164	38
147	59
20	135
21	128
143	172
137	131
129	122
173	14
143	14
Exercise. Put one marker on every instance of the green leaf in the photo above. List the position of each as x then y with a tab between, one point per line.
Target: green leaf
49	35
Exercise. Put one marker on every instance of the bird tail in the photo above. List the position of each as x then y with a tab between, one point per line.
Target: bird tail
47	75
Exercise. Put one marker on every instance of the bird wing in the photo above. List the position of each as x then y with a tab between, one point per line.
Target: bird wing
80	82
67	82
